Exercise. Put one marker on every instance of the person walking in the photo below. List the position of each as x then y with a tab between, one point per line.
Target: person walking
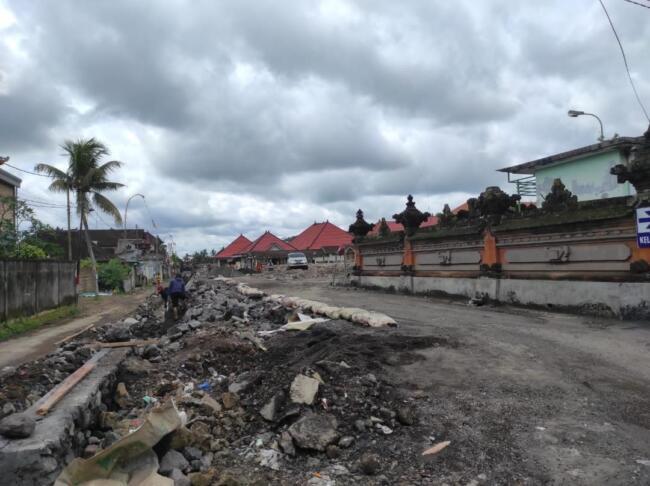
176	291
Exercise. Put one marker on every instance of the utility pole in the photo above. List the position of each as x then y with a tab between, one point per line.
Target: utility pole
67	194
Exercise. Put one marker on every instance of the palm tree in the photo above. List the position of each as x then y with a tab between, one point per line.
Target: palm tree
87	179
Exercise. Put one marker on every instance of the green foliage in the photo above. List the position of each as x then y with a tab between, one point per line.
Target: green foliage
23	240
112	274
201	257
24	324
85	263
25	251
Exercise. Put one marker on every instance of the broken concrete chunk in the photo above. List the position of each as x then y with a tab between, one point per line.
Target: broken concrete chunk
173	460
369	463
242	382
286	444
129	321
210	404
270	410
346	441
406	416
229	400
179	478
303	389
150	351
17	426
314	431
269	458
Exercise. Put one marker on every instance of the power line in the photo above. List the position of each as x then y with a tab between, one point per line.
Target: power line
627	67
637	3
26	171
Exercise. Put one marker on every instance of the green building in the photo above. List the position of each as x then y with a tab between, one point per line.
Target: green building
584	171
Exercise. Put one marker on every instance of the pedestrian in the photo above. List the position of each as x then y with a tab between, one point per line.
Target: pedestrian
163	292
176	292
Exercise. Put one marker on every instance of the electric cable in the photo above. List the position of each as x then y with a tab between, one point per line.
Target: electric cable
627	67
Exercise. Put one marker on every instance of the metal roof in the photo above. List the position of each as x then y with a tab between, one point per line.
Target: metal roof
620	143
10	178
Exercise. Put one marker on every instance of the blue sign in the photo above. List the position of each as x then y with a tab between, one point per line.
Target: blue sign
643	227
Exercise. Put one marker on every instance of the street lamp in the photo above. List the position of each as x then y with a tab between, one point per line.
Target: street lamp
126	209
576	114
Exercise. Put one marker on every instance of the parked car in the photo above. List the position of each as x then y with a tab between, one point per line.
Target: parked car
297	260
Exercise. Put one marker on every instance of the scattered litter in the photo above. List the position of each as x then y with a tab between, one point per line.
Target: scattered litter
121	463
436	448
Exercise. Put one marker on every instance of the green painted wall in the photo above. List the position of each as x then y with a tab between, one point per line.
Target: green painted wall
588	177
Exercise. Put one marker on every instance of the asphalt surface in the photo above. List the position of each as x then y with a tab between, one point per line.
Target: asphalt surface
534	397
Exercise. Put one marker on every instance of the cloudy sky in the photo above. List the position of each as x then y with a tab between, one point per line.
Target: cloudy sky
239	116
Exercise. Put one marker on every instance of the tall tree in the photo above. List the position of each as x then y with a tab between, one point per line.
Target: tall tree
87	178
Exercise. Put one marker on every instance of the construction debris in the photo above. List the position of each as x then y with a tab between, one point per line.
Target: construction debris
269	409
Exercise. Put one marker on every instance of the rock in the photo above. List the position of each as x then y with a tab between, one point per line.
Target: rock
270	410
179	478
369	379
339	470
173	347
17	426
314	431
192	454
360	425
180	438
129	321
205	478
346	441
118	333
384	429
406	416
369	463
173	460
230	400
303	389
136	366
150	351
269	458
210	405
110	438
194	324
7	371
8	409
90	451
332	451
242	382
121	391
183	328
286	444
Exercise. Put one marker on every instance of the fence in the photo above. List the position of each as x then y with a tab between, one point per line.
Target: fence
28	287
570	254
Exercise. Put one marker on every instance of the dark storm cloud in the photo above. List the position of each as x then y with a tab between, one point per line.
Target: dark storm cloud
234	116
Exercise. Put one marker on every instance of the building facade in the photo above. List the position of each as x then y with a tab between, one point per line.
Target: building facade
9	185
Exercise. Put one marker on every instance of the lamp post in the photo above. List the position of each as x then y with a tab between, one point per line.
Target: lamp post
577	113
126	209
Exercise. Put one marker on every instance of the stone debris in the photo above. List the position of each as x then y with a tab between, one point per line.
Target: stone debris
315	431
17	426
285	404
304	389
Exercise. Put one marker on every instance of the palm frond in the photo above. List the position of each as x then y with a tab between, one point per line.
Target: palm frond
59	185
107	206
107	186
50	170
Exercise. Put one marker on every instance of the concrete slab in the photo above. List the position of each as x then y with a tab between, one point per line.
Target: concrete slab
59	437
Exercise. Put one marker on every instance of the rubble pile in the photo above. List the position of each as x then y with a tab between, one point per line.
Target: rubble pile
260	404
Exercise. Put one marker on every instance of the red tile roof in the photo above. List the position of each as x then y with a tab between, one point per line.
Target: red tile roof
322	235
266	243
234	248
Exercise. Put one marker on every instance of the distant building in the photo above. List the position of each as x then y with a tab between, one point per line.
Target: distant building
9	185
266	249
584	171
231	254
321	242
144	251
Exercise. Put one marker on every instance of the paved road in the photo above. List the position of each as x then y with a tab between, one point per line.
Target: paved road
41	341
565	398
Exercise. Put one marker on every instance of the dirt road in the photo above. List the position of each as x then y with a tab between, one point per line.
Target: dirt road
525	397
41	341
